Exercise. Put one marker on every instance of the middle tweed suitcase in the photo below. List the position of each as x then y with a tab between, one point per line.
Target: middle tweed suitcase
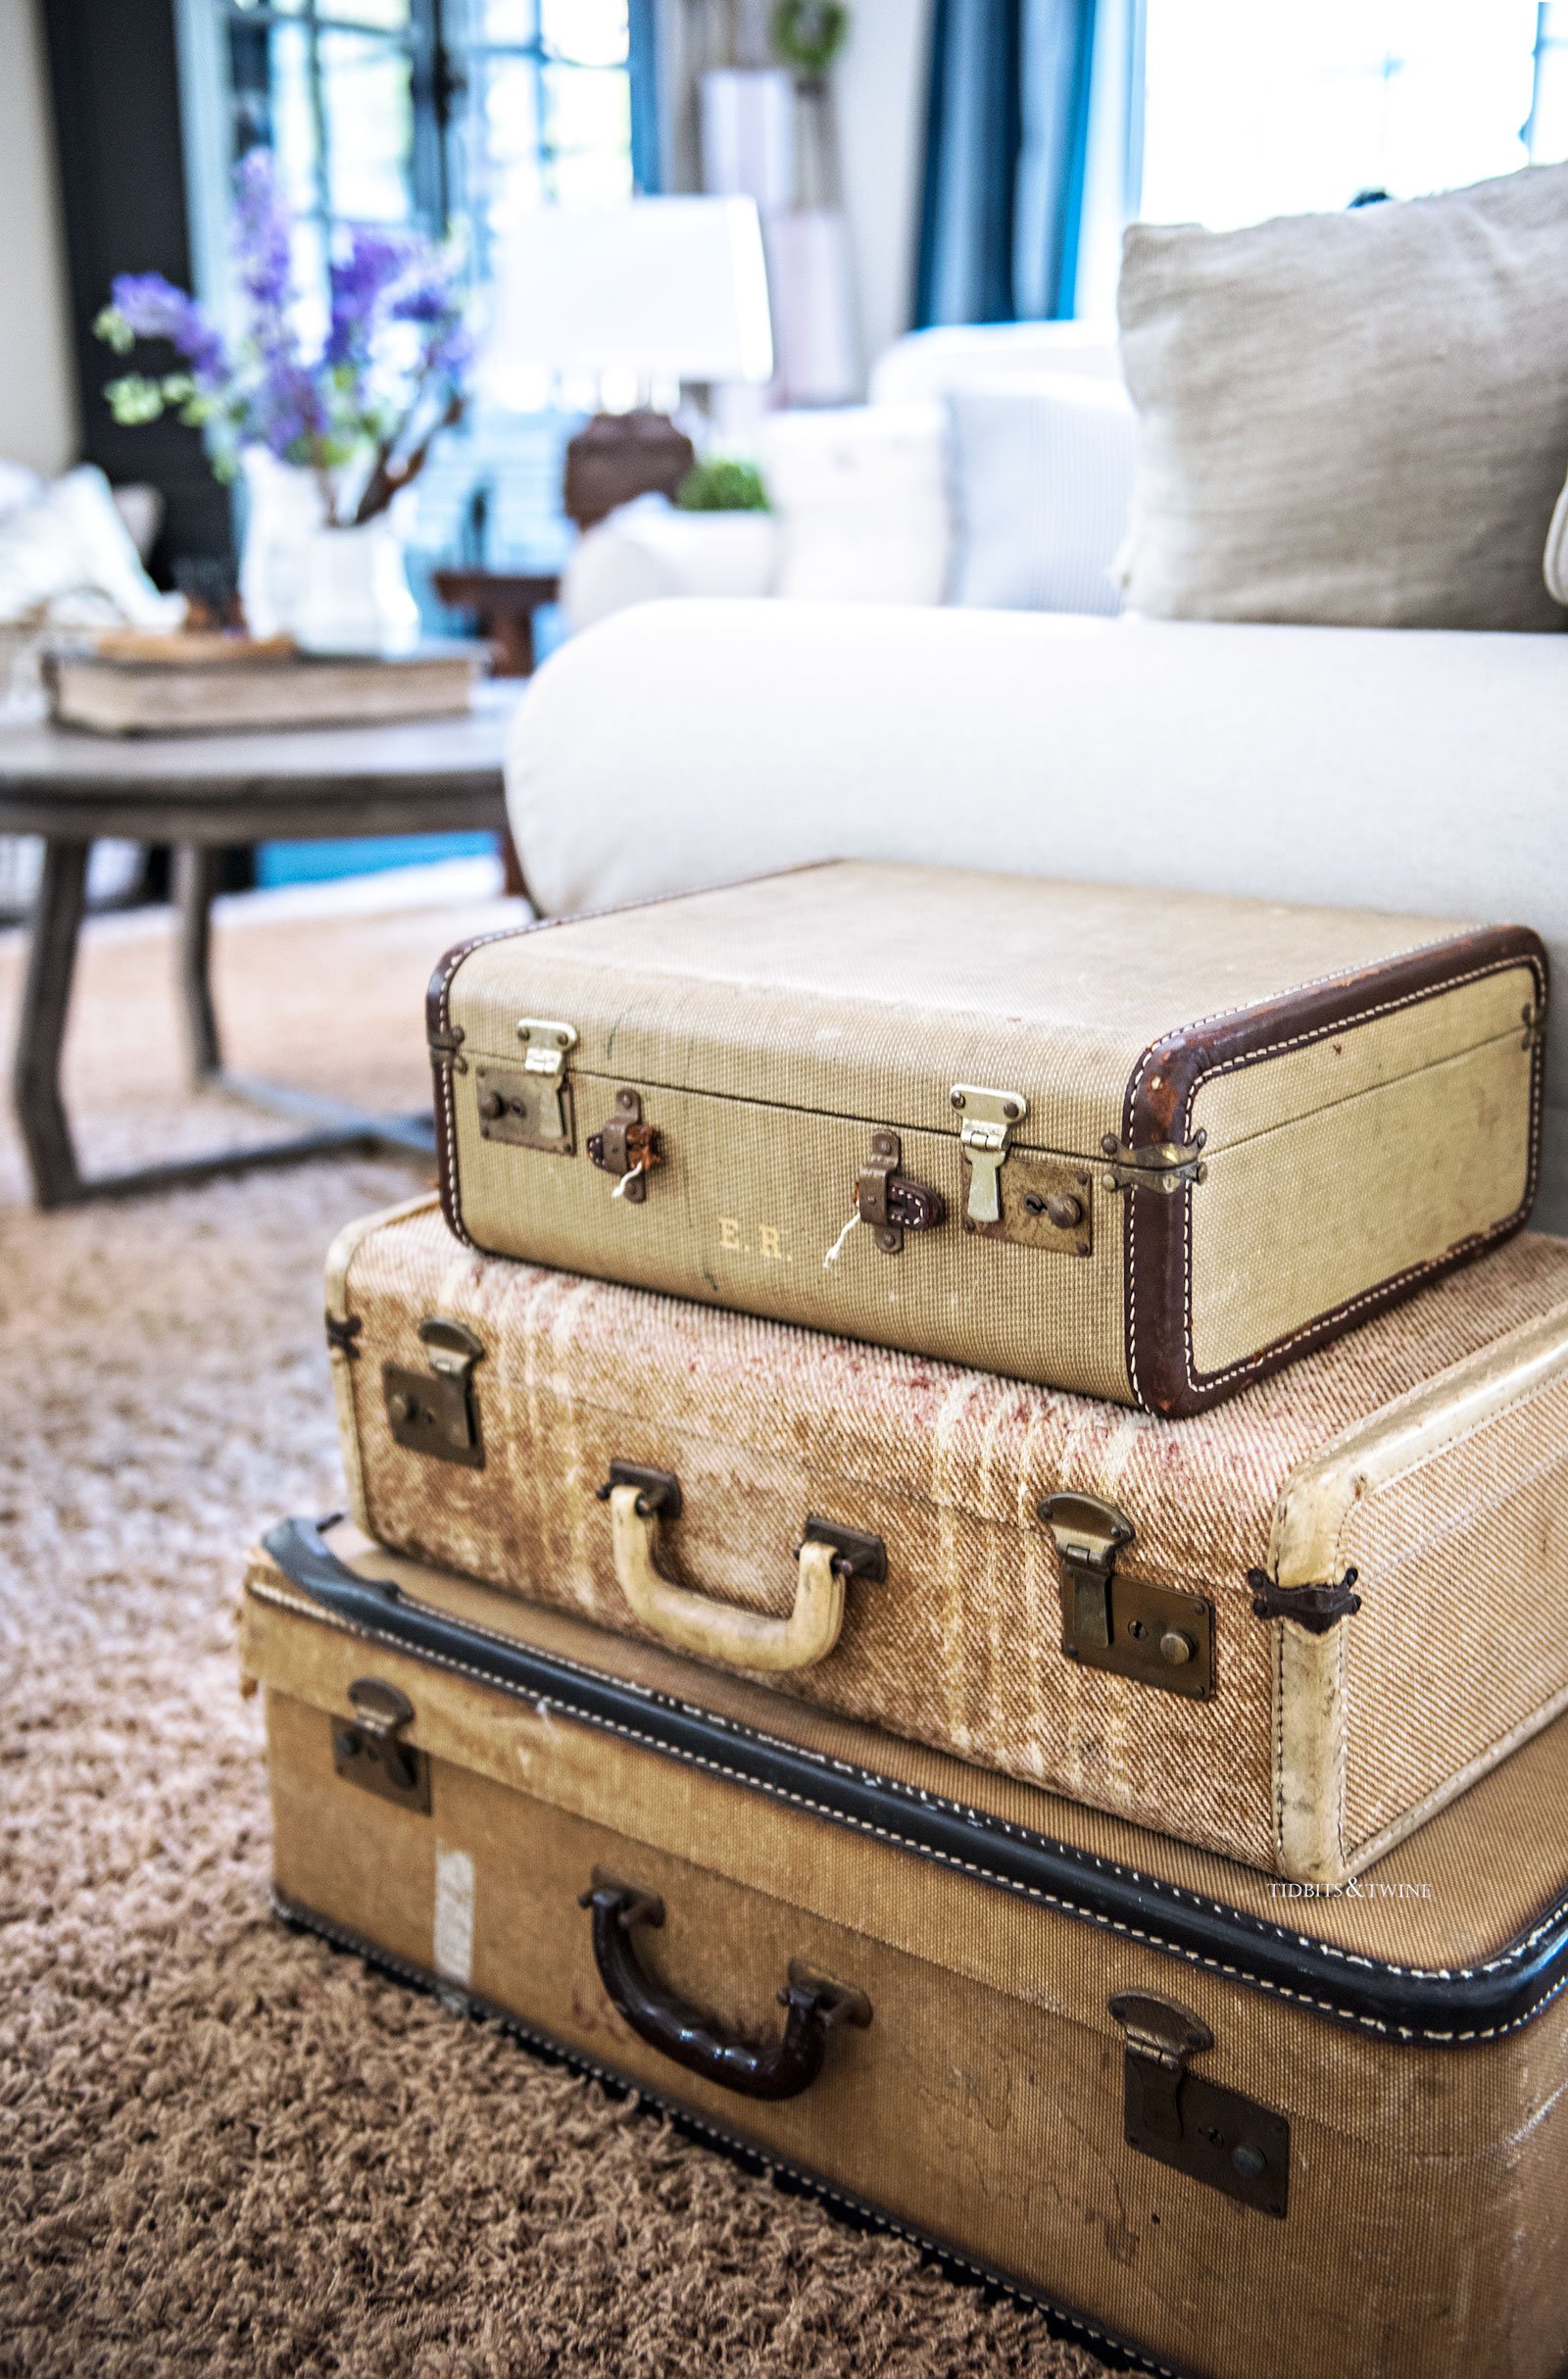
1256	2132
1289	1629
1185	1138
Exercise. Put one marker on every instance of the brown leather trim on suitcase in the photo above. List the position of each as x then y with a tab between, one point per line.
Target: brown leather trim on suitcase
1157	1107
445	1056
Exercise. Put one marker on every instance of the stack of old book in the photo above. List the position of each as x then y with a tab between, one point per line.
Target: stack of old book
959	1568
128	681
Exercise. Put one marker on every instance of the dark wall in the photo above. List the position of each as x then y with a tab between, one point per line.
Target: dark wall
117	120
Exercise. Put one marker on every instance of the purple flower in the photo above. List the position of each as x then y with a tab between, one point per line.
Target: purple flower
360	283
154	308
259	234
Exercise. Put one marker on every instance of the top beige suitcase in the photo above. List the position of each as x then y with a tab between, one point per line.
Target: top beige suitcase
1139	1145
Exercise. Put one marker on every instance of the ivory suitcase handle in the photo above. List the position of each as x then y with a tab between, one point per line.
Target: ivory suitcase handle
726	1632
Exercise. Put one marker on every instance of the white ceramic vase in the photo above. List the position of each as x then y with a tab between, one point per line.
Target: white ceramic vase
283	510
356	597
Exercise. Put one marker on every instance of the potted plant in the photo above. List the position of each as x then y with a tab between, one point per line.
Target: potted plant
330	436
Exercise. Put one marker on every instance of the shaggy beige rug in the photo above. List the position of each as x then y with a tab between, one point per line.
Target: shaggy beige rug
223	2148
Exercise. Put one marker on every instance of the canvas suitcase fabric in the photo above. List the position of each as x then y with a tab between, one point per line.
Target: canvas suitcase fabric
1232	2126
1363	1562
1140	1144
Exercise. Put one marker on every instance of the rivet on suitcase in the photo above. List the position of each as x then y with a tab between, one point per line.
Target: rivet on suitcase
1238	2126
1141	1145
1289	1629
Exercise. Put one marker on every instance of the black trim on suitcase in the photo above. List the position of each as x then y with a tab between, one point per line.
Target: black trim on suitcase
1438	2007
1057	2318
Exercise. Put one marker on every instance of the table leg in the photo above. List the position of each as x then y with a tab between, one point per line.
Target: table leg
197	867
45	999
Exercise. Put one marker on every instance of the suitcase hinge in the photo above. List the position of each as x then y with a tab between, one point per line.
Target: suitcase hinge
889	1203
445	1049
1534	1020
1157	1634
341	1335
433	1411
989	1118
1318	1608
1214	2135
1167	1166
369	1754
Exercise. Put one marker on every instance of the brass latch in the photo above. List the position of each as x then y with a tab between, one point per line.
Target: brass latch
989	1118
1130	1627
530	1105
889	1203
626	1147
1167	1166
369	1754
434	1412
1213	2135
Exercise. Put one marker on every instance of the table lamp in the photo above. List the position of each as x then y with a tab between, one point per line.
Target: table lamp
667	289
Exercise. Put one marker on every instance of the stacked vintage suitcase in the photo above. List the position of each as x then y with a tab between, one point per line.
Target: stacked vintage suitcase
1099	1676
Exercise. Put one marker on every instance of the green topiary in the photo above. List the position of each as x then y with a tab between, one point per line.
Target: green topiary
809	34
719	483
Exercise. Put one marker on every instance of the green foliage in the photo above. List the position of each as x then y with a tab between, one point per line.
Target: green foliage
809	34
134	399
719	483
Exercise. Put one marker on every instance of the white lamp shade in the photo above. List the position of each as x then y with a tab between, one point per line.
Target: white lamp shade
674	288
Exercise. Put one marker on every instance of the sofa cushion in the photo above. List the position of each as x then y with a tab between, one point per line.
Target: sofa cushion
1357	419
861	501
1040	481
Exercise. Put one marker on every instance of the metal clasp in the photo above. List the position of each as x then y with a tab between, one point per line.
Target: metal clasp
889	1203
546	1044
1195	2126
626	1147
1159	1635
1167	1166
989	1118
1089	1534
434	1412
369	1753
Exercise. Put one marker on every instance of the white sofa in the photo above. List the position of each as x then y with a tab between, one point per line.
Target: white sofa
682	744
863	494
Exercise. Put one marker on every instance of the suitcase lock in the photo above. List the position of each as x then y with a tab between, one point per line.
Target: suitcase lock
1214	2135
627	1147
433	1411
368	1753
1136	1629
988	1120
530	1107
889	1203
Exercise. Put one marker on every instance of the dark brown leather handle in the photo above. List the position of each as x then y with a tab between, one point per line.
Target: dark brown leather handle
776	2070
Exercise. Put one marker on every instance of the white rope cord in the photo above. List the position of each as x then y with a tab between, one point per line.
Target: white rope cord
626	1179
837	1248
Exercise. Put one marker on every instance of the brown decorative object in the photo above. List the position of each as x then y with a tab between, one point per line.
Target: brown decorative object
619	456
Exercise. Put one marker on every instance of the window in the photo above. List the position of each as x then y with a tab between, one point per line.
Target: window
443	112
1252	111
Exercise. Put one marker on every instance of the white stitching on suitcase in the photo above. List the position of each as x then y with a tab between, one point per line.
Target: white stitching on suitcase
1055	1899
1412	1273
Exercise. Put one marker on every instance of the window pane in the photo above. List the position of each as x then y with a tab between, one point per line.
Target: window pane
393	15
592	32
1252	111
504	19
585	109
293	131
367	103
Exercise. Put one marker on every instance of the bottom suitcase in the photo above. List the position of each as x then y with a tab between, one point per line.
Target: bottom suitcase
1233	2125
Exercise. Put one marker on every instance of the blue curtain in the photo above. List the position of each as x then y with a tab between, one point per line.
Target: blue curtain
1006	132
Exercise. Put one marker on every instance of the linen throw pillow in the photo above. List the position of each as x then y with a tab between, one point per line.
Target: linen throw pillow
1041	481
1359	419
1556	564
